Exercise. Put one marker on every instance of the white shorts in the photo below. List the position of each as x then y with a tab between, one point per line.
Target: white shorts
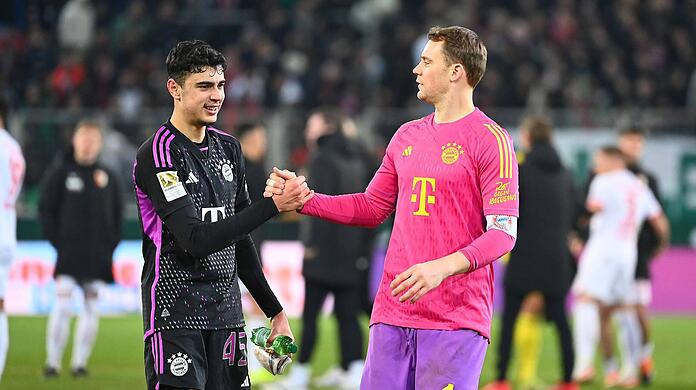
642	292
65	285
607	275
6	258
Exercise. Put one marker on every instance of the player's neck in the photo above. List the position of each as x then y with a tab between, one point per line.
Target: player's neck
194	132
454	106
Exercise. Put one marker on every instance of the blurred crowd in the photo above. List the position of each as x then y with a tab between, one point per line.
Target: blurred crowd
561	54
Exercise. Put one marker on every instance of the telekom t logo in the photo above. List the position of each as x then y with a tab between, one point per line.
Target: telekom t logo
421	195
215	213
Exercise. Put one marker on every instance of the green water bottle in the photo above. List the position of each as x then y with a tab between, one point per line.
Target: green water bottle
282	345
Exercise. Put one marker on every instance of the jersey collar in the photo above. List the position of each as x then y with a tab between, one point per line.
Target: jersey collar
186	142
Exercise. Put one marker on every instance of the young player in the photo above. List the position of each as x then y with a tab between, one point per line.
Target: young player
451	177
11	174
620	203
196	216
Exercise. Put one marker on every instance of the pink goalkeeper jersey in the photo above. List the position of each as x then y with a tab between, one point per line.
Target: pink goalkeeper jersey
442	179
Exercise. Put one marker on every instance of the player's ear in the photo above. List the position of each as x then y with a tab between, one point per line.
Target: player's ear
457	72
174	89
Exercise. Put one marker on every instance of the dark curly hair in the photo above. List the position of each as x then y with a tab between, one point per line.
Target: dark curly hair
189	57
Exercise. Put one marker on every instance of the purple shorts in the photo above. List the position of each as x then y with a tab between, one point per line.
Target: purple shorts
423	359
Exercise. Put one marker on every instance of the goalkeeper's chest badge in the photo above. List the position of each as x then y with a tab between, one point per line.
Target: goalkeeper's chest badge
450	152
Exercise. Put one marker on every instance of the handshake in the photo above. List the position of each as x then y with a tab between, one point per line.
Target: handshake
289	192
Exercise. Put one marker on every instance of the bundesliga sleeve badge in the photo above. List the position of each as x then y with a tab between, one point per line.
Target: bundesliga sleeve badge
171	186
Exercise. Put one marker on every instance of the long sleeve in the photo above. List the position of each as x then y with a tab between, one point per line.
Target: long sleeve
201	238
251	274
49	204
369	208
487	248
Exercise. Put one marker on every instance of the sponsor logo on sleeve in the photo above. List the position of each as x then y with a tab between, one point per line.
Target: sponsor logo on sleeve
171	186
502	193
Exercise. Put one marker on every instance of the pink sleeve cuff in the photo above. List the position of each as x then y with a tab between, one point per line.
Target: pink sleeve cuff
487	248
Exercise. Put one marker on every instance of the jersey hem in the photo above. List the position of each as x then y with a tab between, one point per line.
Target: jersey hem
437	326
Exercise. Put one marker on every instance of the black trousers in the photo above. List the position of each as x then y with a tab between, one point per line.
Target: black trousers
554	308
346	310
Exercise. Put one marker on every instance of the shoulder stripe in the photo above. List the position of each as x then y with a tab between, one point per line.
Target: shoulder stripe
500	147
155	141
505	150
167	151
511	151
166	135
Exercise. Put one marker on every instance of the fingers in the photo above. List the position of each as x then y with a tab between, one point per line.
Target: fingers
285	174
402	282
412	292
400	278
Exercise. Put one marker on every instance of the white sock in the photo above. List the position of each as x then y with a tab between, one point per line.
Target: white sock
4	340
253	323
57	332
646	351
85	333
586	335
629	341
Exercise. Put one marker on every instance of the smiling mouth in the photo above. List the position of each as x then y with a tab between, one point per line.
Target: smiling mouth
212	109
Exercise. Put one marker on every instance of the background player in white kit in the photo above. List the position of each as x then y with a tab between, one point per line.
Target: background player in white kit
620	202
11	174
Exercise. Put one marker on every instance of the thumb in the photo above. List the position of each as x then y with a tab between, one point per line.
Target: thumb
285	174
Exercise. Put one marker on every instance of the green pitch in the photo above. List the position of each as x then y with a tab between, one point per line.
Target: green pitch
117	360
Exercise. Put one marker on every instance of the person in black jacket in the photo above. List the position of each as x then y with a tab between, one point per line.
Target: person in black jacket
631	141
331	254
540	263
80	211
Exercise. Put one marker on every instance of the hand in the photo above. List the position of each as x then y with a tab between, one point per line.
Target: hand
295	194
279	327
419	279
576	246
276	181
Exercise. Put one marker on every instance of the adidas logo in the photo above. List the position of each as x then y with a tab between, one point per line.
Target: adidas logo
192	178
246	382
165	313
407	152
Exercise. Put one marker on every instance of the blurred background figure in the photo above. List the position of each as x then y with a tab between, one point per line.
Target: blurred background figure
252	137
540	269
331	255
80	210
631	141
11	175
619	203
365	262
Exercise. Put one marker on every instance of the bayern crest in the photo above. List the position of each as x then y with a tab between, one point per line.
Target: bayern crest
226	170
179	364
451	152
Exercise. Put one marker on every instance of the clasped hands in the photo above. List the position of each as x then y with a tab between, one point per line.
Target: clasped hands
289	191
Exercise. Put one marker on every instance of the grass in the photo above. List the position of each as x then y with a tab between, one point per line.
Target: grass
117	360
